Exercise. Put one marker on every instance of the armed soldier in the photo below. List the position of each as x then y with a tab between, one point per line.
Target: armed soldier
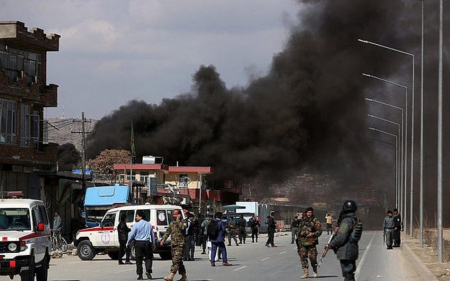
176	230
389	226
242	223
309	231
345	241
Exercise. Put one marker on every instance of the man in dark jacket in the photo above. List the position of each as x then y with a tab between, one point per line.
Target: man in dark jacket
397	228
271	226
242	223
345	243
123	230
219	241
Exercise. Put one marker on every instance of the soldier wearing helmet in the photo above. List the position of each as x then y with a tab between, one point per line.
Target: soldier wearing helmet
345	242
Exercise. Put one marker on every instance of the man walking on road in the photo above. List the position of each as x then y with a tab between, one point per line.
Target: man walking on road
397	227
389	226
309	231
242	223
122	230
232	225
294	229
176	230
345	243
142	233
271	226
219	241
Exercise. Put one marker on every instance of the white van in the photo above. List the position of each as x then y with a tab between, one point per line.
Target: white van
104	238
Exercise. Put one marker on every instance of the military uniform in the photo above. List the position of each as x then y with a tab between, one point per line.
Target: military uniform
176	231
242	223
307	245
294	229
345	244
232	232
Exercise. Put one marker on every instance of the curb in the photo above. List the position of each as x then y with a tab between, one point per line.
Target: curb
425	273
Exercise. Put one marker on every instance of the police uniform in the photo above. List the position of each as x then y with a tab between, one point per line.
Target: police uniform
388	226
232	232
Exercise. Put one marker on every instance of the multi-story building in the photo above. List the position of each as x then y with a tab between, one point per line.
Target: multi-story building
24	93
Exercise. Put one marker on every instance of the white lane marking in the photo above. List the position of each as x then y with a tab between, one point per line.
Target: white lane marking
360	264
265	259
283	253
242	267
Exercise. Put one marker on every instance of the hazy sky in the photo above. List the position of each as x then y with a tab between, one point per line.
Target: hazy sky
114	51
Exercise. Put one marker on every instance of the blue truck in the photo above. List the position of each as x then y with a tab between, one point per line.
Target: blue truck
99	199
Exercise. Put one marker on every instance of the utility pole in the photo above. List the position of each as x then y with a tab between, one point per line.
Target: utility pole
83	147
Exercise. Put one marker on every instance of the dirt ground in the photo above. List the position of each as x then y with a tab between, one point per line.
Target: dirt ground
428	254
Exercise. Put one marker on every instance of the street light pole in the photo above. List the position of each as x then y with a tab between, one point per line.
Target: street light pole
398	156
405	153
412	127
421	140
402	140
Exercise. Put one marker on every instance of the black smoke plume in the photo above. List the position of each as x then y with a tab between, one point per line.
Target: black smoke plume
308	110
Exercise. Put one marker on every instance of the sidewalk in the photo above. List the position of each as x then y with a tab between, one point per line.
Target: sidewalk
426	260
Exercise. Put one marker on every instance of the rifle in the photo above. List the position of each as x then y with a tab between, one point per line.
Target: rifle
325	249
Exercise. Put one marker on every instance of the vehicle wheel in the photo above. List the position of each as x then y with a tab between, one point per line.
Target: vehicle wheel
165	256
42	271
85	250
28	275
63	245
114	255
133	252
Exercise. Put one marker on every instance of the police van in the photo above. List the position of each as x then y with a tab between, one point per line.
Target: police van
25	243
105	238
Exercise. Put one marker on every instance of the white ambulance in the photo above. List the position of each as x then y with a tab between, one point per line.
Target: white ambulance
104	238
25	239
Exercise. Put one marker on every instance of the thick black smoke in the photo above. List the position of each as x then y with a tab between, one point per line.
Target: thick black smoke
308	110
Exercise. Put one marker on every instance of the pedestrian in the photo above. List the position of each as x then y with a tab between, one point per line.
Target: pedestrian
189	242
329	221
397	228
57	226
242	223
389	226
255	228
232	226
309	231
294	229
176	231
123	230
345	242
142	233
271	226
204	234
219	241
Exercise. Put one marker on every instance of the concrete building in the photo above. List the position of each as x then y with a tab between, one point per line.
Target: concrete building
25	157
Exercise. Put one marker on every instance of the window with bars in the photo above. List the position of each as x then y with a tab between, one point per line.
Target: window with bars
8	121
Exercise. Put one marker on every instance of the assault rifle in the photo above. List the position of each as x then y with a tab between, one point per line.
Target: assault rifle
325	249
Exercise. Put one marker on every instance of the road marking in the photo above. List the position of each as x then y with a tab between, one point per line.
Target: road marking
242	267
265	259
358	270
283	253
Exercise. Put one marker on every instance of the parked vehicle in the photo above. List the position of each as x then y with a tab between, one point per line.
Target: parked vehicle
104	238
26	245
99	199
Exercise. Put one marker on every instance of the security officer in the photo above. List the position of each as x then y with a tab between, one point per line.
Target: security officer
308	237
388	226
294	229
232	226
398	227
242	223
176	230
345	242
142	233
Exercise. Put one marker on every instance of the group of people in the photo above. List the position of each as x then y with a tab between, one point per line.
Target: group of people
392	226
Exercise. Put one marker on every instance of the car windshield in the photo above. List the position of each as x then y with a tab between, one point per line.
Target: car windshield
14	219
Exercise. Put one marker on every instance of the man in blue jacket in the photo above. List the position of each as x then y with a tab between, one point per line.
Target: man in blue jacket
219	241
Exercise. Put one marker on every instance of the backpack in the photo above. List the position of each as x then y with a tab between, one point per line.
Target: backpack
212	230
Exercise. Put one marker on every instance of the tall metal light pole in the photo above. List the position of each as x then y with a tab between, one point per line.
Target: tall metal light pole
439	193
397	154
412	126
402	162
405	153
421	141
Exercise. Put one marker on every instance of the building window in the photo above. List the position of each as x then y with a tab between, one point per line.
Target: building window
183	181
8	121
25	125
17	63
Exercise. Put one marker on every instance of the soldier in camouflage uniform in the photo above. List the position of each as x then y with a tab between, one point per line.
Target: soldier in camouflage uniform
309	231
176	230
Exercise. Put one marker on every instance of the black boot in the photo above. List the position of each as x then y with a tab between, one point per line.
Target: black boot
140	277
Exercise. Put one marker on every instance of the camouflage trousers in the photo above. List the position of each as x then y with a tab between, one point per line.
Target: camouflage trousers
177	259
304	252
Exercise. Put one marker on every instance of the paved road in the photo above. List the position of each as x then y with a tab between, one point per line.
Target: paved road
251	262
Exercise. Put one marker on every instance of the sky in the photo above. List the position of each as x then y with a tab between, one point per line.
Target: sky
111	51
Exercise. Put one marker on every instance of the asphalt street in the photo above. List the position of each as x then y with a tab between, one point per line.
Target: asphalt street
251	261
